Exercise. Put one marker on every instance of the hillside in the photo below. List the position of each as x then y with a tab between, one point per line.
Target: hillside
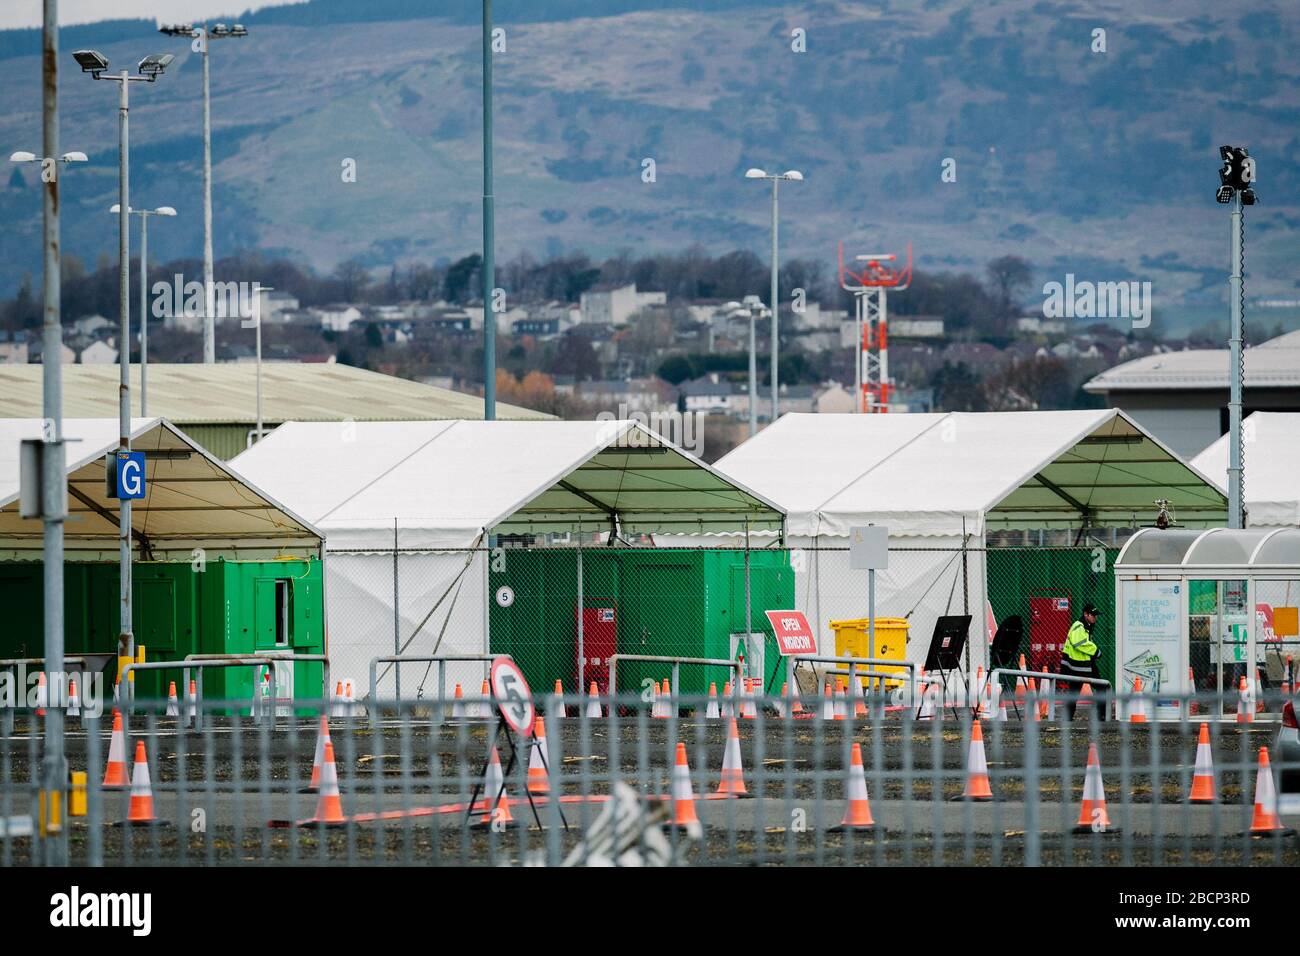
1098	164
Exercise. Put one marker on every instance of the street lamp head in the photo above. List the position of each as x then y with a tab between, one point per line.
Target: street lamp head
22	156
238	30
91	61
76	156
115	208
220	30
754	173
154	64
164	211
177	29
794	174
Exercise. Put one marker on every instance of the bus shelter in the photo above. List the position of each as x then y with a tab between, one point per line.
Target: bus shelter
1197	611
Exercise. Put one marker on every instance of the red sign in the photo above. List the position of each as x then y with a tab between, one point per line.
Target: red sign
793	635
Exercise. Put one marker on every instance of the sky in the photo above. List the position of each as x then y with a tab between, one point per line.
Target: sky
28	13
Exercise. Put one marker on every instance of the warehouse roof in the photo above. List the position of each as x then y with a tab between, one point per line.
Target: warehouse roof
226	392
1272	364
192	500
941	474
1272	463
441	484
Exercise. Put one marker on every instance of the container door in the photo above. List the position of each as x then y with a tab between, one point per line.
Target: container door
599	643
1049	624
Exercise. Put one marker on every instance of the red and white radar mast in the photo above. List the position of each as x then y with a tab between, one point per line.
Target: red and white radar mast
870	286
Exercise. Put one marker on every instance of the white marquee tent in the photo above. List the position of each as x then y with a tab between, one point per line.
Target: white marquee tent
409	508
940	482
1272	484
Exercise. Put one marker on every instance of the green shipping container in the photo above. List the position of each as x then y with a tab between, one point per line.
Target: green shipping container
228	607
679	603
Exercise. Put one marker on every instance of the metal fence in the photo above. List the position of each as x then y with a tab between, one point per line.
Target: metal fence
878	786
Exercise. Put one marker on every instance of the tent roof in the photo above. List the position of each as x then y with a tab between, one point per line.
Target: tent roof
1230	548
441	484
1272	462
937	474
193	500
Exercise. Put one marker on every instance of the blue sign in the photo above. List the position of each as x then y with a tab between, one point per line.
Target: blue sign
129	474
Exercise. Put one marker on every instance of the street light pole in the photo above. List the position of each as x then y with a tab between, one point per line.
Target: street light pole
150	68
795	176
489	280
144	215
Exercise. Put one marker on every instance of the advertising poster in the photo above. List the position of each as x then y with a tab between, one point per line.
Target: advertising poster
1153	638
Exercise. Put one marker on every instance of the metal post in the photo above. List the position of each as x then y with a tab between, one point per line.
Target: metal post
776	308
126	639
209	287
397	629
1236	373
749	628
582	647
489	319
857	351
753	375
257	321
871	617
54	767
144	313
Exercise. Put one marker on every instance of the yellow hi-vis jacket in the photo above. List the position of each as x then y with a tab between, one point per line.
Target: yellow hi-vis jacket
1079	645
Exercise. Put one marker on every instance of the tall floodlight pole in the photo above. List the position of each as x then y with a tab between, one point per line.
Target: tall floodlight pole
1236	188
752	310
202	36
144	215
150	68
489	279
795	176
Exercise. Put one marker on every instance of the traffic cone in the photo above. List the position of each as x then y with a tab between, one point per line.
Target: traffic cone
1244	713
559	699
712	712
115	773
926	710
1137	708
329	805
1092	815
318	759
656	711
538	782
1266	822
457	703
140	810
173	705
593	701
1023	686
748	708
828	701
733	770
117	690
1193	707
1203	775
998	702
977	768
796	705
859	703
683	796
482	707
192	703
667	708
841	706
336	702
1033	707
857	815
724	710
981	705
1085	697
350	692
74	701
1047	708
42	694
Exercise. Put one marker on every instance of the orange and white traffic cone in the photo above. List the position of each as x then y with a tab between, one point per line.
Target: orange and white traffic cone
748	709
857	815
981	694
841	705
329	805
1137	707
140	810
727	710
593	700
733	770
173	704
859	703
1245	713
42	694
796	705
115	773
683	797
1085	698
74	700
1047	708
538	781
192	704
1266	822
1193	707
336	702
1092	815
977	768
457	703
828	701
712	712
318	759
1033	707
483	706
558	699
1203	775
667	707
656	710
998	702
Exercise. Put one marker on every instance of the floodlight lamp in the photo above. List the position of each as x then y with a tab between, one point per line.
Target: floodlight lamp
115	208
22	156
1248	197
794	174
238	30
91	61
76	156
219	30
165	211
1224	195
177	29
154	64
754	173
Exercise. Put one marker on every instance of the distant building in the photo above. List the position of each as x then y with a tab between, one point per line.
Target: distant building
1182	397
635	394
614	305
833	399
713	394
276	306
337	318
99	353
1037	325
90	324
916	327
13	348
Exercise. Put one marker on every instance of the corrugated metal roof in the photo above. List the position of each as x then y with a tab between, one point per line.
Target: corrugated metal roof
226	393
1273	364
